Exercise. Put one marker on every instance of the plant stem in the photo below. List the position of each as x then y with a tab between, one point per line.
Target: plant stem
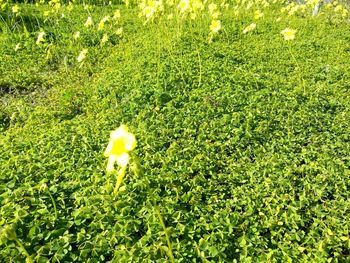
121	175
137	170
25	252
297	64
53	203
165	231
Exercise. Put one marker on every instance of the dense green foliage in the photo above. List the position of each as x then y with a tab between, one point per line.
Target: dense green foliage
242	144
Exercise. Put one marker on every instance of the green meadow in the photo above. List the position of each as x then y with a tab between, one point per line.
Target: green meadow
241	115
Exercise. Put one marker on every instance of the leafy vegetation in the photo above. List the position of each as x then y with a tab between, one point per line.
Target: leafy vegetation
243	134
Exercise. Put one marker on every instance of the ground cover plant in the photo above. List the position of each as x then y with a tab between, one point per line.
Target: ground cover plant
236	137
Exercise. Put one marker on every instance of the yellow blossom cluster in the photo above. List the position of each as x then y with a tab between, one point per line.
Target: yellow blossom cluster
314	7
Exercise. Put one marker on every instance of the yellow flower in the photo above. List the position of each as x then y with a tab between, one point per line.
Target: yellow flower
212	7
249	28
77	35
258	14
88	22
249	5
215	26
104	39
17	46
82	55
338	9
119	31
70	7
215	15
149	11
345	13
121	142
183	5
46	13
116	14
101	25
15	9
289	34
197	5
40	38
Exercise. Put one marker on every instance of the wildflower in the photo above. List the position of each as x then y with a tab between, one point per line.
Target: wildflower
197	5
116	15
288	34
215	15
15	9
295	9
121	142
212	8
104	39
40	38
17	47
88	22
328	6
345	13
183	5
101	25
57	6
82	55
77	35
258	14
215	26
338	9
119	31
149	11
46	13
249	5
70	7
249	28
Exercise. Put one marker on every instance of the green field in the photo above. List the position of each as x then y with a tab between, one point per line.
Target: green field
243	134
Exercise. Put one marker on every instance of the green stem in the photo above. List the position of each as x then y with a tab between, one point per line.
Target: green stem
200	69
137	170
25	252
119	179
53	203
297	64
165	231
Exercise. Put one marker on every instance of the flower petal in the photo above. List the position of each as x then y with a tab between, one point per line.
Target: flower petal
108	149
123	159
110	164
130	141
